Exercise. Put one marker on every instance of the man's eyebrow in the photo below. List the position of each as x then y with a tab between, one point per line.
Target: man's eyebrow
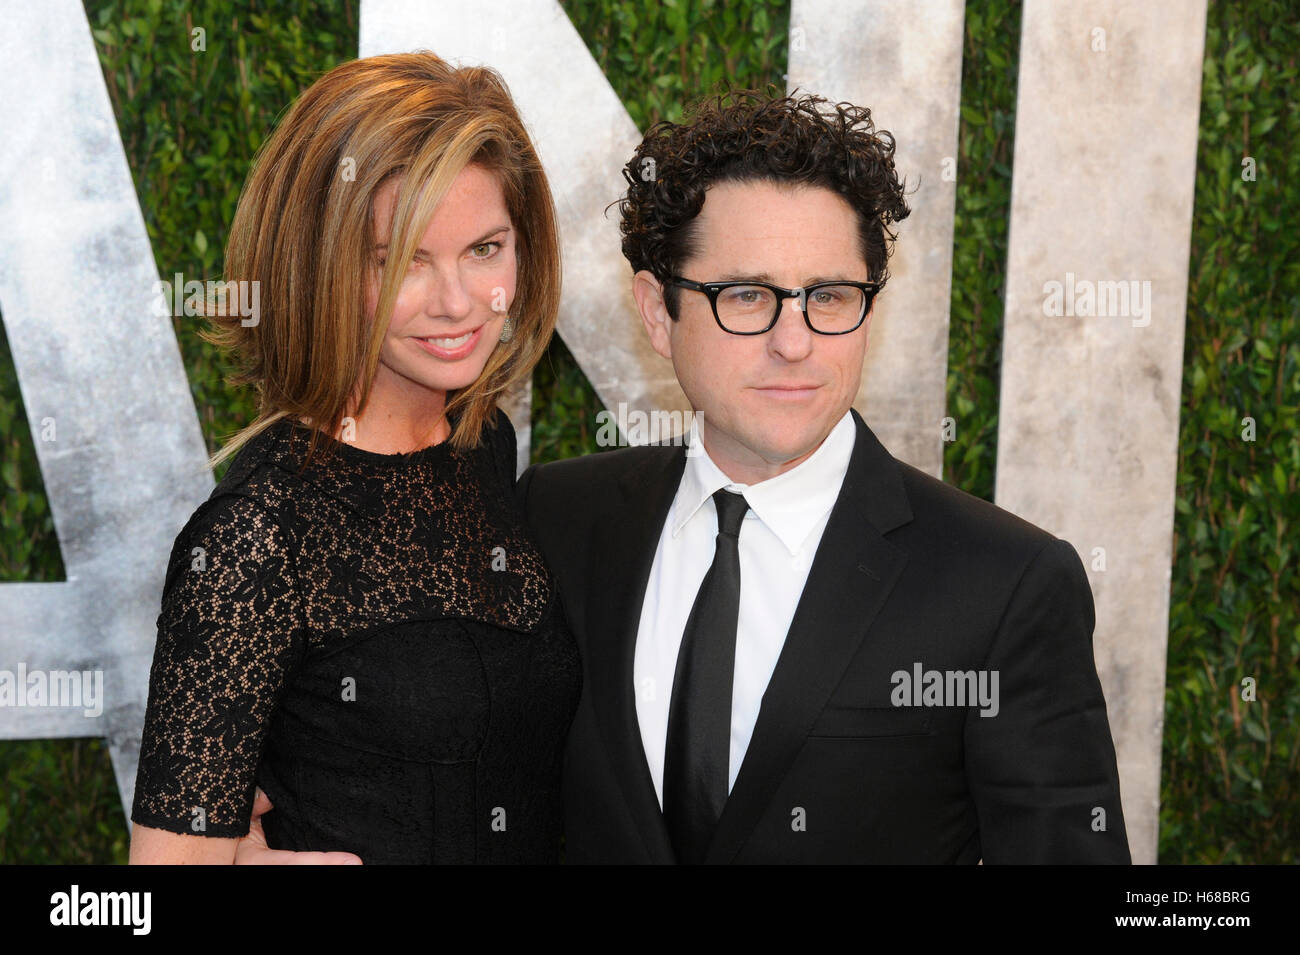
745	277
767	277
383	246
833	277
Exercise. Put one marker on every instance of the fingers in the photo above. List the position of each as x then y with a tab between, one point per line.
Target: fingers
252	849
259	856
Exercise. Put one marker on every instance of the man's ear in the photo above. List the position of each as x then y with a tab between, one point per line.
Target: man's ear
649	295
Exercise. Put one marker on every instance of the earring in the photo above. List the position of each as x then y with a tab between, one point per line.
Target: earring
508	329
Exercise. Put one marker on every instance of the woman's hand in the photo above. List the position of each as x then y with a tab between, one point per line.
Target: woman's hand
151	846
253	850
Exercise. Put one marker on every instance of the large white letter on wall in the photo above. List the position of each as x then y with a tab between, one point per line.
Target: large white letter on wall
107	400
1101	217
903	62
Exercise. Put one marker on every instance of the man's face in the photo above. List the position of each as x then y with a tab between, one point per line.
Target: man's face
767	401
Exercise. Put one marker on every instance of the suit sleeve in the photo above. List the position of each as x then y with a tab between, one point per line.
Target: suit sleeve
1042	770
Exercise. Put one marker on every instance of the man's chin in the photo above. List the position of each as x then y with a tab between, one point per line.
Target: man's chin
784	453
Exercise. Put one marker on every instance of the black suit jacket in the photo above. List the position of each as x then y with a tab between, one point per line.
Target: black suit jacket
909	571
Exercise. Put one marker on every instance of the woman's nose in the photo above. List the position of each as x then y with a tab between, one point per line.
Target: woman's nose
446	296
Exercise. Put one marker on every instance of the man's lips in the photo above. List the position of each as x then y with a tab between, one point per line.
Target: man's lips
787	387
787	391
451	347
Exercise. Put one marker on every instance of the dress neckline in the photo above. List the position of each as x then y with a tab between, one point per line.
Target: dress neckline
354	454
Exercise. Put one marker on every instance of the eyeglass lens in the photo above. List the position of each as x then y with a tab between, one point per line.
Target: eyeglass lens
830	308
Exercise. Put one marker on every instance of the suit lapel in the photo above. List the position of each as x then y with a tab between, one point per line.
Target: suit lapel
624	548
852	574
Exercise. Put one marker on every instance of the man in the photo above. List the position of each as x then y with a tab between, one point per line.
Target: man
797	648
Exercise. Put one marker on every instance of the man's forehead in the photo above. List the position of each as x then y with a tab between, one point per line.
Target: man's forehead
777	209
807	225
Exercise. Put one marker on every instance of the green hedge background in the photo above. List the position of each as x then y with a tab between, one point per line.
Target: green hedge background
190	123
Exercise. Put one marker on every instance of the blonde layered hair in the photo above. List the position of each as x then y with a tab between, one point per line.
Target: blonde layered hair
304	231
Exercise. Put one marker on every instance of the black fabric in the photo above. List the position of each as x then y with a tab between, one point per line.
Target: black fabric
696	758
376	643
909	571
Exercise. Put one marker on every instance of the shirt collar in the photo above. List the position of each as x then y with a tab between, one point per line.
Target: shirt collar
790	504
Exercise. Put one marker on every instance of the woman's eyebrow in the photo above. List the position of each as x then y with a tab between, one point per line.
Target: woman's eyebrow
383	246
487	235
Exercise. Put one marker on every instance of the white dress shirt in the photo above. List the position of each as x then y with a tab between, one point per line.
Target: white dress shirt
778	538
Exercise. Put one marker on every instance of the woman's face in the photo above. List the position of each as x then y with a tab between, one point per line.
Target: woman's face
453	300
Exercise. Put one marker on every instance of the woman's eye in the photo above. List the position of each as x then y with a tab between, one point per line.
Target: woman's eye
485	250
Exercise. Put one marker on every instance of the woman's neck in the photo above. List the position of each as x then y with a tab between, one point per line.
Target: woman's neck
398	420
386	433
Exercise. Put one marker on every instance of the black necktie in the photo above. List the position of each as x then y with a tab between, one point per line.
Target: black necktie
699	714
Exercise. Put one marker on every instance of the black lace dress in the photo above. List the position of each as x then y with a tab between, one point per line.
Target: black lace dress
377	644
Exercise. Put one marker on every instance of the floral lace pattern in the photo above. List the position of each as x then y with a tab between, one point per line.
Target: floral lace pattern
410	576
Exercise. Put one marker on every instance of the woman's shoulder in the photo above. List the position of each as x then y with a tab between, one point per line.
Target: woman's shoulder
230	527
266	474
250	511
267	462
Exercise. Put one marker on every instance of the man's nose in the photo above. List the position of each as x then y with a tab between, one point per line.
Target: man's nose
791	338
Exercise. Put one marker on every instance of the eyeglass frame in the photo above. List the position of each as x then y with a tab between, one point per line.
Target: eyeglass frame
714	289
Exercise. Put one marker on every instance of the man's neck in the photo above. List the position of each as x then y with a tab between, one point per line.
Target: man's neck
743	466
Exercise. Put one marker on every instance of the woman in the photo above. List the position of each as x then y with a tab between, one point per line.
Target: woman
356	621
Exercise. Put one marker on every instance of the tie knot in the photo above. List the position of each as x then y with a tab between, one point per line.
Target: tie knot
731	511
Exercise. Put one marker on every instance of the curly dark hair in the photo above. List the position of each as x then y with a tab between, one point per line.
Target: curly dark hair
747	135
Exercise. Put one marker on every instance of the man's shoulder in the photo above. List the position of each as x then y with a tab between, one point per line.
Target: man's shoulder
962	544
598	471
952	518
563	501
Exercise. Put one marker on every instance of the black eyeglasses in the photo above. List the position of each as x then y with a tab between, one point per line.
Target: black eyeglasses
752	308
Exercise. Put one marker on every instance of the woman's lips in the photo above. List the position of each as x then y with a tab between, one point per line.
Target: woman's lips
463	344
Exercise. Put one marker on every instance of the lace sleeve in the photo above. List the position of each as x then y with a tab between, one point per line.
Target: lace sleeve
228	634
